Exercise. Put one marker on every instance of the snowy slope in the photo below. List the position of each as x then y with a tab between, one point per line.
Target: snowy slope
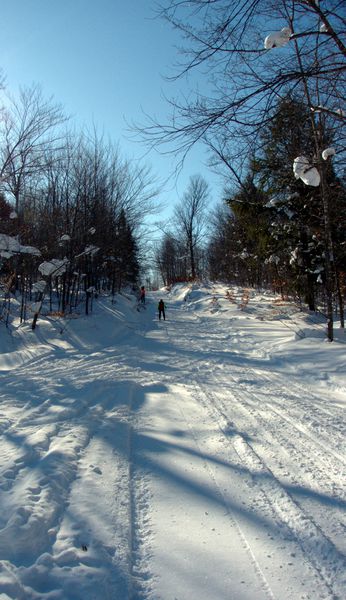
200	458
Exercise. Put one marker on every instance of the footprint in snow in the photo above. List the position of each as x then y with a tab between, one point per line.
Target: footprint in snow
96	469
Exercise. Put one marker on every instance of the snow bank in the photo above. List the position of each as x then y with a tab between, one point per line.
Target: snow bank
292	338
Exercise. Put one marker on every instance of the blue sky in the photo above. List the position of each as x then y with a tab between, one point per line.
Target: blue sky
104	62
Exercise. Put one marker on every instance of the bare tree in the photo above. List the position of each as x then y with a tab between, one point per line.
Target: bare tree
190	218
171	260
29	128
228	43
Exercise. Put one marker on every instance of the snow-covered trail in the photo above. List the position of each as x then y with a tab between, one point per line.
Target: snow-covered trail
168	460
273	458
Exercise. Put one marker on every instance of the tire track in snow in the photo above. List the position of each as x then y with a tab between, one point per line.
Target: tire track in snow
244	542
324	462
263	407
316	476
300	526
302	405
314	544
231	516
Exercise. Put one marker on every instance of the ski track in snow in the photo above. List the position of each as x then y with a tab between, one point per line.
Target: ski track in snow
171	464
318	464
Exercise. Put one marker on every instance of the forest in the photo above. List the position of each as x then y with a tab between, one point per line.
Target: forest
70	211
273	121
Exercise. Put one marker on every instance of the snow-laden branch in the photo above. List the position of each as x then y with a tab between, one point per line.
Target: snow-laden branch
39	286
278	39
304	170
53	267
88	251
328	152
339	112
10	246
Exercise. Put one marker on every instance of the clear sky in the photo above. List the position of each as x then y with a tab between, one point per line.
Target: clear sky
104	61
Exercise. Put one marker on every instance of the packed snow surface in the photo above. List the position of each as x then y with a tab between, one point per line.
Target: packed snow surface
197	458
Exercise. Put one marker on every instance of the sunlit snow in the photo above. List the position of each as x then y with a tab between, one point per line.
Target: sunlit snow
328	152
200	458
305	171
278	39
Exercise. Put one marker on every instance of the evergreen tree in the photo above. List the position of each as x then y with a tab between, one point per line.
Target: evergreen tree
297	211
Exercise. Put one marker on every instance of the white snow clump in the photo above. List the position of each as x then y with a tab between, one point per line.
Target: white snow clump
339	112
294	256
89	251
328	152
303	170
30	250
273	202
39	286
274	259
53	267
9	246
289	213
277	39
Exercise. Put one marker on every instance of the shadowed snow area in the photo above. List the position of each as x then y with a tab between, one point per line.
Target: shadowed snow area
197	458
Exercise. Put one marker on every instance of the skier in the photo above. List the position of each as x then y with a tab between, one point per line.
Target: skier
161	308
142	295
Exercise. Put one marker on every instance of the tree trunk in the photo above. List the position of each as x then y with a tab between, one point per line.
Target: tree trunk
192	260
328	254
340	292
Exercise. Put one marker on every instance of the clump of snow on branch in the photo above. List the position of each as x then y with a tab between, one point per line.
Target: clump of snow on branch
30	250
39	286
89	251
274	259
338	112
294	256
9	246
8	243
303	170
273	202
277	39
293	196
92	230
53	267
289	213
65	238
328	152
